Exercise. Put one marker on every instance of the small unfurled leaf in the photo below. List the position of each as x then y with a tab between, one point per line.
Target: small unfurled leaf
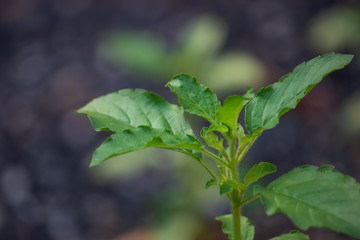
211	139
195	97
313	197
250	94
240	133
259	171
228	185
223	170
229	112
128	109
212	182
247	229
143	137
264	111
293	235
219	128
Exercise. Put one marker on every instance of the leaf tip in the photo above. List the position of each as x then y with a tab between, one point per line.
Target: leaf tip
182	76
80	110
93	164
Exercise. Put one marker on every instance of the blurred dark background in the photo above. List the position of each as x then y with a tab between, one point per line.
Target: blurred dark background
56	55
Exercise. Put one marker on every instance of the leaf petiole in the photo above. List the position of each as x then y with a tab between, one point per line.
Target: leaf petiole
208	169
210	154
249	199
242	151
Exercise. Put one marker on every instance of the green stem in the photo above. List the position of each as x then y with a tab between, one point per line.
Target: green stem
224	153
233	163
208	169
202	161
234	174
249	199
236	195
241	154
210	154
236	214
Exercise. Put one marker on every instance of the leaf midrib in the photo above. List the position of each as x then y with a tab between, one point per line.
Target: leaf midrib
130	126
296	96
88	112
338	65
210	118
313	206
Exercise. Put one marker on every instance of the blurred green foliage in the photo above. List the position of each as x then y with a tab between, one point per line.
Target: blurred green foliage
180	209
336	29
349	115
197	52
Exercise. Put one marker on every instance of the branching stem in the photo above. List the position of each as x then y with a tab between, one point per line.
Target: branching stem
241	152
210	154
208	169
249	199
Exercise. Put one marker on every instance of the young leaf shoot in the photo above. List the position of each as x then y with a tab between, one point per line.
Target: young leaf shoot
308	195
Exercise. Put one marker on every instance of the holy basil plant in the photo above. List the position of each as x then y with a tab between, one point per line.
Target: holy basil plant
310	196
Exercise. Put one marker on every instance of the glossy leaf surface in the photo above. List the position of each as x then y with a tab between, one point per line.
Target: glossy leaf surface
293	235
143	137
247	229
128	109
264	111
313	197
140	119
195	97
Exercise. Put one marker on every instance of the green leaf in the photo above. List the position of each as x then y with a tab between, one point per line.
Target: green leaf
194	97
247	229
227	224
128	109
293	235
226	187
259	171
218	128
264	111
140	119
250	94
211	139
212	182
229	112
143	137
313	197
240	133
